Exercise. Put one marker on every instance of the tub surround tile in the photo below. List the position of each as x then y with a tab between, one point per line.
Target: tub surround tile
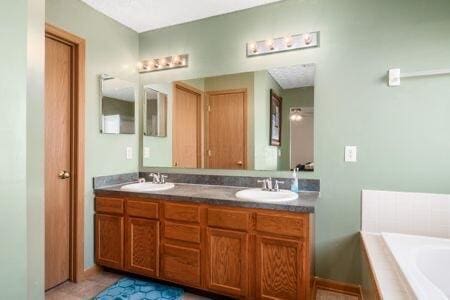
408	213
216	195
390	283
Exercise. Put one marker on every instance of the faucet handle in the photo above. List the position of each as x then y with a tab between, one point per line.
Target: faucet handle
277	182
156	177
264	183
163	178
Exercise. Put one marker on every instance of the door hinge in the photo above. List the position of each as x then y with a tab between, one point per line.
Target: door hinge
209	108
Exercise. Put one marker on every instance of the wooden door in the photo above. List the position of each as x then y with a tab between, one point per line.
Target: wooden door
186	148
58	95
227	130
279	272
227	261
142	250
109	240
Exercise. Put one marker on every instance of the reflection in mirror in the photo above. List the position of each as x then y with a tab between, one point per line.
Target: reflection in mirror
261	120
155	111
117	105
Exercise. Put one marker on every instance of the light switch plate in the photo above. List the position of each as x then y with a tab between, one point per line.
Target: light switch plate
394	77
129	153
146	152
350	153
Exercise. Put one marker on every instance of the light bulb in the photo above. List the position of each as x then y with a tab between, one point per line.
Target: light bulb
176	60
307	38
288	41
253	48
270	44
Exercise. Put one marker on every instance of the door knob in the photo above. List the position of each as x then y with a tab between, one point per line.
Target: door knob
64	175
240	163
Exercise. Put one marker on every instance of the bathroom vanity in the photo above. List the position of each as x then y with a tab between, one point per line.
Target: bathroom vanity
202	236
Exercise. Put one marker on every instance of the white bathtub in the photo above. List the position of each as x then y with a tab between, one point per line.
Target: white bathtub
424	262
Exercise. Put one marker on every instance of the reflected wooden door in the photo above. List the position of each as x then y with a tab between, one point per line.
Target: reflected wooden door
58	95
186	127
227	130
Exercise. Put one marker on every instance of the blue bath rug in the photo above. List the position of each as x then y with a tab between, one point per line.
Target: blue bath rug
129	288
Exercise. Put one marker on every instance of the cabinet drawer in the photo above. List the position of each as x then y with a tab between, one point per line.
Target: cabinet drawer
143	209
109	205
228	219
280	224
181	212
181	264
181	232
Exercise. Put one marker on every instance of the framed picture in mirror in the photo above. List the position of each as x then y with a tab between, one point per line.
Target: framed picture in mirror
275	119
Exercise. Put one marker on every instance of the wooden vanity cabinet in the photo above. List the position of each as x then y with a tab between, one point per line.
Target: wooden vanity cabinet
109	232
238	252
142	237
227	254
181	248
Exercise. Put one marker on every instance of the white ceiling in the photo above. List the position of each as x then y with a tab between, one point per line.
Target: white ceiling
294	76
144	15
118	89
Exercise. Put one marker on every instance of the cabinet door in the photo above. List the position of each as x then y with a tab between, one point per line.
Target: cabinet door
181	264
227	261
109	240
142	246
279	269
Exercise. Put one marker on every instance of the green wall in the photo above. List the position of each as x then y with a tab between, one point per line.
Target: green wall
266	156
401	133
298	97
21	157
160	147
111	49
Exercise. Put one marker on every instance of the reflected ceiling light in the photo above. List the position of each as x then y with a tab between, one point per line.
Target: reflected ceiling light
281	44
296	114
163	63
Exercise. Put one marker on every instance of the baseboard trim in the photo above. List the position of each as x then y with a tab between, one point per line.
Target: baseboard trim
95	269
337	286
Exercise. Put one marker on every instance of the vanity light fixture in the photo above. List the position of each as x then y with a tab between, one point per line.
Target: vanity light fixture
281	44
163	63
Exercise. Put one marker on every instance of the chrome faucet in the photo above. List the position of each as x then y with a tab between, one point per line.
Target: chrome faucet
268	185
158	178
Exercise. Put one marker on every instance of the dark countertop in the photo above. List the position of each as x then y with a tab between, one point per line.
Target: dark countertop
215	194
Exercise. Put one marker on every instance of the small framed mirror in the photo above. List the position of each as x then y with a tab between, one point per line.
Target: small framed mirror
155	112
117	105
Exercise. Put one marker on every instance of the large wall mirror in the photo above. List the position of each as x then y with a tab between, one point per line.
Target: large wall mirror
261	120
117	105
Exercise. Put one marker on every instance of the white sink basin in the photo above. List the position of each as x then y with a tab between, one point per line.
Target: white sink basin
266	196
147	187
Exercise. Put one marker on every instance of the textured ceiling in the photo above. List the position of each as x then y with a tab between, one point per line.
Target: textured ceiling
118	89
294	76
144	15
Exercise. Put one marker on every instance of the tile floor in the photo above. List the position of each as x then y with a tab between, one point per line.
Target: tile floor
97	283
